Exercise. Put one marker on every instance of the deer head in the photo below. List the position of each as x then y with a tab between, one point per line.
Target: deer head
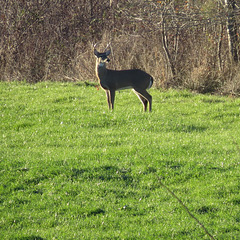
103	57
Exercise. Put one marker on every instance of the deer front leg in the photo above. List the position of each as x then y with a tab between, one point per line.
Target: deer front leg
108	99
112	98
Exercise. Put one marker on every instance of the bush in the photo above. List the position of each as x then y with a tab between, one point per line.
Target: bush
176	43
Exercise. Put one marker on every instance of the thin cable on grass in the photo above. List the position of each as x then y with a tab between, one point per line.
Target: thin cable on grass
186	208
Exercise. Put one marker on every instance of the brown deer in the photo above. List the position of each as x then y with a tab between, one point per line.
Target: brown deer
112	80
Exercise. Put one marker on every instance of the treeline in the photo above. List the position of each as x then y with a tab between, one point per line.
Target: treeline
186	44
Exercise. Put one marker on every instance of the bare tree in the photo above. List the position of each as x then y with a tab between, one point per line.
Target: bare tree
231	23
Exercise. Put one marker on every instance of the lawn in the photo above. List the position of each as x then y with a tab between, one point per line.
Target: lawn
71	169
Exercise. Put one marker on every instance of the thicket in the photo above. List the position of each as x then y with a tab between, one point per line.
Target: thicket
186	44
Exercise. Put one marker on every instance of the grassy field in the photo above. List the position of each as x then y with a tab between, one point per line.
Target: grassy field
70	169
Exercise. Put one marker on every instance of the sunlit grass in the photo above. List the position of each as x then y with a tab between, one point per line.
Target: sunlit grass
70	169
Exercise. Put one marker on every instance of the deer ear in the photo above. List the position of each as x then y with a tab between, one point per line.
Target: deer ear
96	53
108	52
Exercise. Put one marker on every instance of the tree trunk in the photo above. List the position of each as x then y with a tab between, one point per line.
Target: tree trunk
166	51
219	47
231	23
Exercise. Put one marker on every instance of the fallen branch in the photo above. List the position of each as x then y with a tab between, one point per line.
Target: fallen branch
186	208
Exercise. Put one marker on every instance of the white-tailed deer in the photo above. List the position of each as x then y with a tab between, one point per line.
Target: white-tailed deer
112	80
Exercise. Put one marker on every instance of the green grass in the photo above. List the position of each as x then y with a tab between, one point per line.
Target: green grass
70	169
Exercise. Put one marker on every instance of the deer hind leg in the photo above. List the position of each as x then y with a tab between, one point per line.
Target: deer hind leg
110	98
145	98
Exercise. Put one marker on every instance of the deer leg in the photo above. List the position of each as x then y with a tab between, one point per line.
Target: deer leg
143	100
147	98
108	99
112	98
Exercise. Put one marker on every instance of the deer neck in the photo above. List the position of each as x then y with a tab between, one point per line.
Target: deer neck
101	72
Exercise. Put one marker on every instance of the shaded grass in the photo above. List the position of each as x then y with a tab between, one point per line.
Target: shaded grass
70	169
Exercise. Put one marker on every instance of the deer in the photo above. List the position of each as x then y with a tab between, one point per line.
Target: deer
113	80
